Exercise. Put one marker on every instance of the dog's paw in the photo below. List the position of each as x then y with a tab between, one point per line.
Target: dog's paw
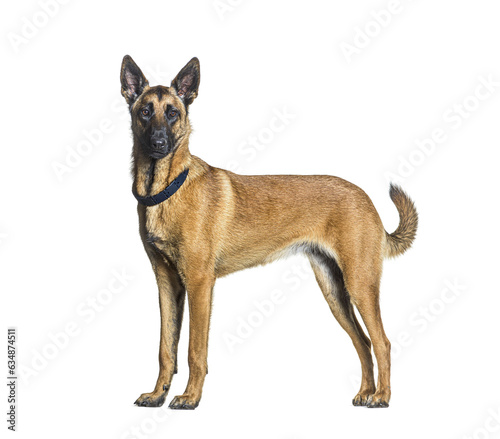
361	399
378	400
153	399
184	402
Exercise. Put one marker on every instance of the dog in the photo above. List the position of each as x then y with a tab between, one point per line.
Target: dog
199	223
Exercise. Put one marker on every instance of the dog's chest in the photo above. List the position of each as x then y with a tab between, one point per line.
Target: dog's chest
161	230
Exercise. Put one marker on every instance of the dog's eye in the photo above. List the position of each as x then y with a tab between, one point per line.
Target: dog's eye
145	112
172	114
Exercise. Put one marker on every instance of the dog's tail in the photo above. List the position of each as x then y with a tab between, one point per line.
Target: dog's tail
402	238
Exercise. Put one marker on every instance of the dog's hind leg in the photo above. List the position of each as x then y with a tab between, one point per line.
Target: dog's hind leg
172	294
364	289
330	280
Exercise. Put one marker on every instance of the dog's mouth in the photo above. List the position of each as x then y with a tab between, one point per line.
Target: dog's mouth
159	153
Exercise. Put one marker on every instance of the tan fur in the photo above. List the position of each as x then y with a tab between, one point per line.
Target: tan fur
219	222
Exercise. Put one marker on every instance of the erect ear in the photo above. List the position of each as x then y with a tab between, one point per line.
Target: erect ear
133	80
187	81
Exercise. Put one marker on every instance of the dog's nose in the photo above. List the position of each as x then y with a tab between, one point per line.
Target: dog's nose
158	143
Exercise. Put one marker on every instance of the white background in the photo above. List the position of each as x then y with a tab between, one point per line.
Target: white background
358	117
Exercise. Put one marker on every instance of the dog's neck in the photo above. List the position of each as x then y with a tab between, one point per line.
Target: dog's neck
151	176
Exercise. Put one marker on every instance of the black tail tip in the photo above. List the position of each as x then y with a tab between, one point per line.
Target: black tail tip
395	190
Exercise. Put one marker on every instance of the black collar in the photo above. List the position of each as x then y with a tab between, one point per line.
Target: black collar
165	194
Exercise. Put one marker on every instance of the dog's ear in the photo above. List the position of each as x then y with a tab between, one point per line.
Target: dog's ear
187	81
133	80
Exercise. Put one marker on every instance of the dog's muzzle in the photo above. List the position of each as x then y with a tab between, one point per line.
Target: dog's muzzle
159	146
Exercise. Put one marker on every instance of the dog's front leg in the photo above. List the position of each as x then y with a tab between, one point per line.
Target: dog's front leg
172	294
199	291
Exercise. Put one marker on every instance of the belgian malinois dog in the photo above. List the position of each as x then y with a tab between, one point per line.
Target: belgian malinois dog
199	223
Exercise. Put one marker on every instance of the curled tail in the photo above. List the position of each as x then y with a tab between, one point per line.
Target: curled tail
402	238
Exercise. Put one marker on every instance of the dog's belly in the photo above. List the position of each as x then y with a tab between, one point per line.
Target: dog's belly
246	258
240	258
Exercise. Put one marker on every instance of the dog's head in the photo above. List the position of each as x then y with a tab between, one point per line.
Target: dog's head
159	114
